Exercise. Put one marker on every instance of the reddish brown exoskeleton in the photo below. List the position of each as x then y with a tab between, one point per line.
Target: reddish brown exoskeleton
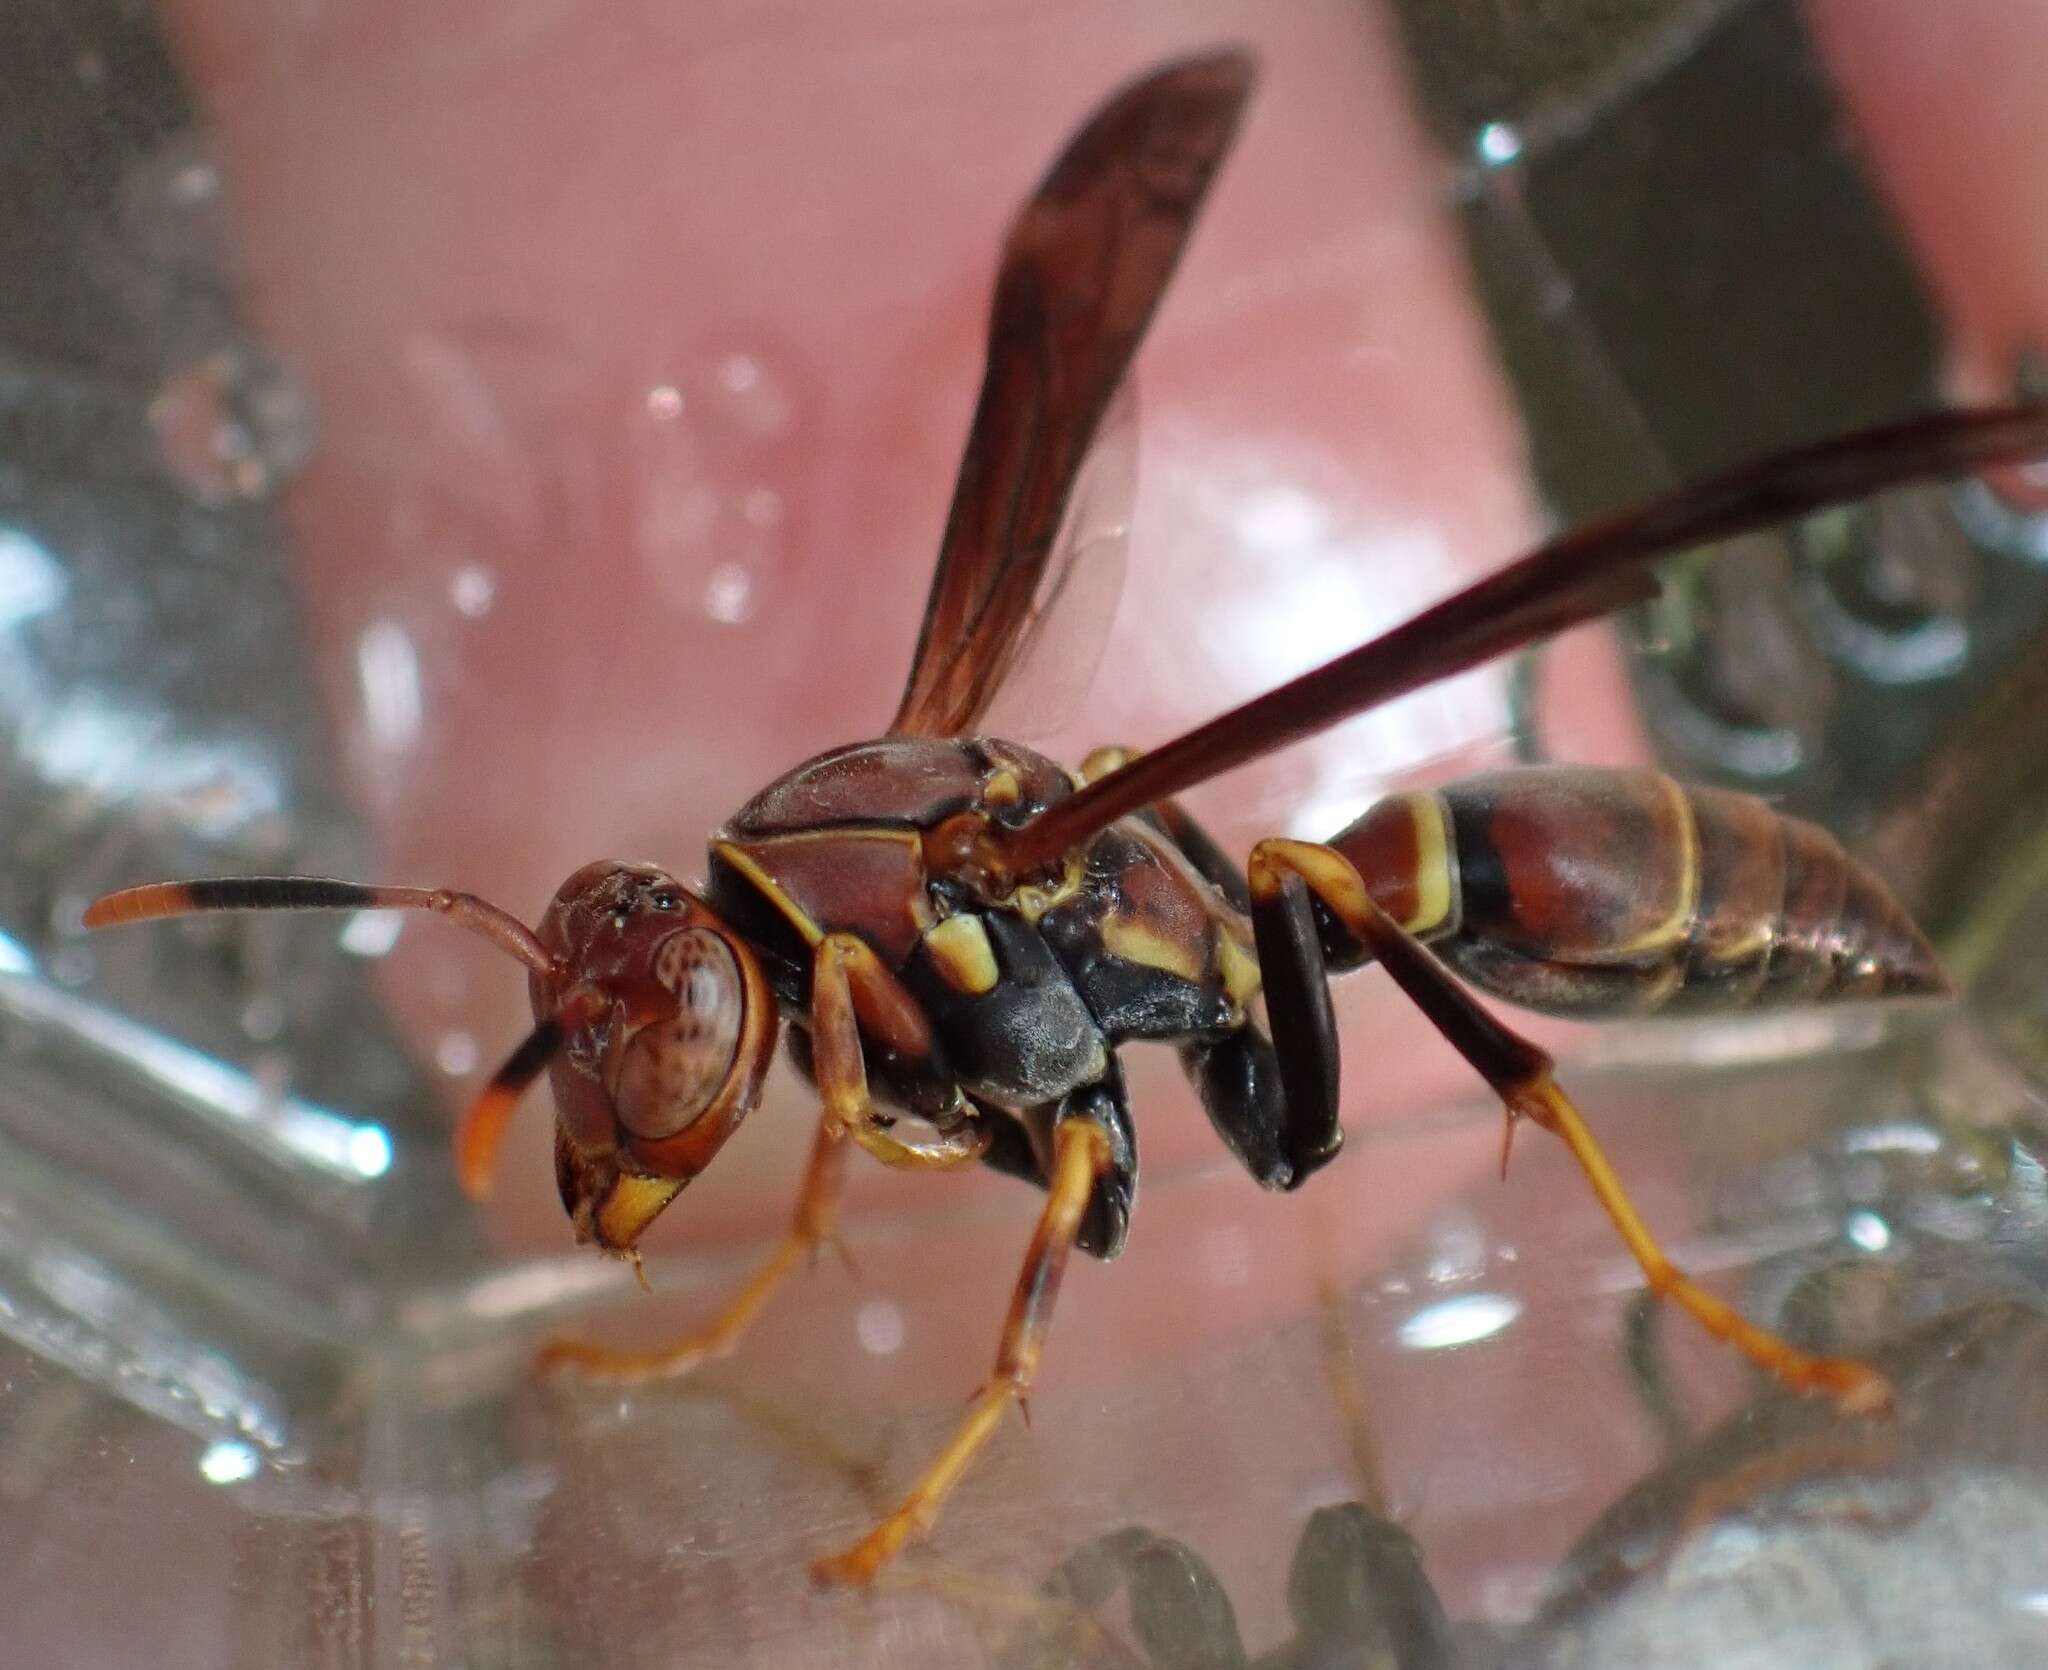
961	933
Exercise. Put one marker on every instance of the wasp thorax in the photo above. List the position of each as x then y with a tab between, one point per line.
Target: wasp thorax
669	1069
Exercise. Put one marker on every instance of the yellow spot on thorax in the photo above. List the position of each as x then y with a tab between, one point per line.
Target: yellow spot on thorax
960	950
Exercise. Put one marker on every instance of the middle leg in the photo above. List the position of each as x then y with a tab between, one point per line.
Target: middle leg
1081	1154
1275	1109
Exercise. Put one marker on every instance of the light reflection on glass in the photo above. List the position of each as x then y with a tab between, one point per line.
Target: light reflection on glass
302	1132
388	667
79	1313
1900	1137
32	582
81	739
1868	1231
1465	1320
1497	144
878	1325
228	1462
372	933
14	957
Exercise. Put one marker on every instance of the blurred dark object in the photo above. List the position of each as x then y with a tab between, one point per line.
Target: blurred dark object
1793	1536
1356	1592
206	1164
1684	261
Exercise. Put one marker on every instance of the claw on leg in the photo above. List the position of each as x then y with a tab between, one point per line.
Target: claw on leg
1856	1388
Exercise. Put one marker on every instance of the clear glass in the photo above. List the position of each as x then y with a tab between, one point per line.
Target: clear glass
452	445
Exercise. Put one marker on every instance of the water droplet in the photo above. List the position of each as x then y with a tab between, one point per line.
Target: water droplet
729	594
754	395
230	426
263	1017
1497	144
229	1462
1465	1320
1868	1231
473	589
72	965
664	402
194	182
388	667
1457	1249
369	1150
879	1327
32	581
372	933
456	1054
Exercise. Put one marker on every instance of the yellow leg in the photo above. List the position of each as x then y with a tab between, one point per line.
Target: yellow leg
1521	1074
1856	1387
851	988
1080	1156
817	1213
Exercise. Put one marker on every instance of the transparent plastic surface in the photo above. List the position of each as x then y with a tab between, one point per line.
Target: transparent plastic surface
452	446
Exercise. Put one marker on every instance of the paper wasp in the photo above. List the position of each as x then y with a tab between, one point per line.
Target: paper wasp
961	933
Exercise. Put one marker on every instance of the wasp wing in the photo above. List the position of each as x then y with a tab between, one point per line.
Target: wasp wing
1572	579
1083	269
1058	646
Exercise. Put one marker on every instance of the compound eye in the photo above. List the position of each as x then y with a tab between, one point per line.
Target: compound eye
674	1067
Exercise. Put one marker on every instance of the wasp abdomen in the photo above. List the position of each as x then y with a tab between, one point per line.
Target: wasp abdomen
1601	892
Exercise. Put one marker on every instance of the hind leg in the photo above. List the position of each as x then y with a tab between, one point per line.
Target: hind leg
1241	1080
1285	873
1275	1109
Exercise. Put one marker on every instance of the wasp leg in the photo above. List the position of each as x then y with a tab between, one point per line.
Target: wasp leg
852	992
1081	1152
1239	1077
1177	824
1285	1091
1523	1077
1021	1146
1106	1106
817	1213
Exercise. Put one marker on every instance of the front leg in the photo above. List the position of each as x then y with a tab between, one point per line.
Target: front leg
852	991
817	1216
1081	1154
849	988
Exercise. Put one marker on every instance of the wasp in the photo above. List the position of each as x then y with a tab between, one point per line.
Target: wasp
960	933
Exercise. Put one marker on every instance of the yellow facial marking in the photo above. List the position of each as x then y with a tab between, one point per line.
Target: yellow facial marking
960	948
1002	788
633	1204
1134	942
